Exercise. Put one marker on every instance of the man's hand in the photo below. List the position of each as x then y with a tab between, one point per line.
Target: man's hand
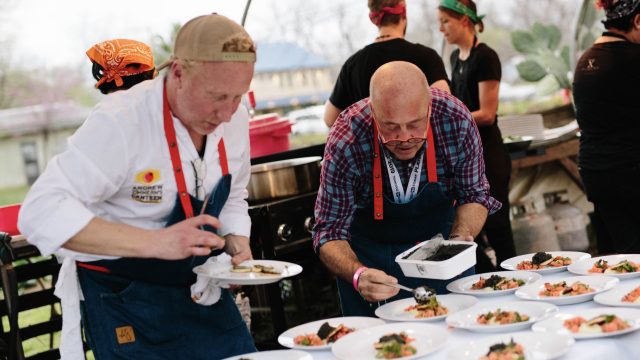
185	239
459	237
238	247
371	288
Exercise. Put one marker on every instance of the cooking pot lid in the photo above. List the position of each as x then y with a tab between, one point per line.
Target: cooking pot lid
282	164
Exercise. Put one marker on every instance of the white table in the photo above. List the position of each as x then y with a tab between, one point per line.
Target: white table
626	347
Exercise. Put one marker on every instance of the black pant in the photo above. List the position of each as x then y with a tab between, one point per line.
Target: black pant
615	195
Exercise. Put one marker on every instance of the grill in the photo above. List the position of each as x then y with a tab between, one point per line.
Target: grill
281	230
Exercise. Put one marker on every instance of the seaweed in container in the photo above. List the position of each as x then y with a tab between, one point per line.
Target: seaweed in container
436	250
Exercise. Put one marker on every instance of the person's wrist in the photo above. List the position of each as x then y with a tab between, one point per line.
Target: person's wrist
356	276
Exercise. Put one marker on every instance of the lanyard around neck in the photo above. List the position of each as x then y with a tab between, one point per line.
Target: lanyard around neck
170	135
432	175
401	195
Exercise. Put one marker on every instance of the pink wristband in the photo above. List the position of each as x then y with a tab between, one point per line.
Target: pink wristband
356	276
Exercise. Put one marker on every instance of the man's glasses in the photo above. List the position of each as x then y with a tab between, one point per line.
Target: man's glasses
412	140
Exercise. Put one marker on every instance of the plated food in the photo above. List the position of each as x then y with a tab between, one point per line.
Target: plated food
251	272
625	294
327	334
501	317
541	260
507	351
509	316
256	268
562	289
424	338
394	346
620	266
592	323
321	334
514	346
603	267
409	310
496	282
569	290
544	262
600	324
493	284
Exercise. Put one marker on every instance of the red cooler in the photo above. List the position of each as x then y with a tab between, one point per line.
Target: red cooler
268	134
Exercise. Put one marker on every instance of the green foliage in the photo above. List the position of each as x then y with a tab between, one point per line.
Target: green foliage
543	62
13	195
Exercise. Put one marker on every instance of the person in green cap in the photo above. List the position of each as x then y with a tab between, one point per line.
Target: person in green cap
475	80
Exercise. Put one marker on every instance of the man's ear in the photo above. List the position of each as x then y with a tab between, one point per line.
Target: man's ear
177	70
636	22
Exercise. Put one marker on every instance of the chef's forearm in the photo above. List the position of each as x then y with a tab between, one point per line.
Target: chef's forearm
340	259
106	238
469	220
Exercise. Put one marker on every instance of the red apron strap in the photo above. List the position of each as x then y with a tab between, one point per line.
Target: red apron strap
430	158
222	152
430	154
98	268
377	176
170	135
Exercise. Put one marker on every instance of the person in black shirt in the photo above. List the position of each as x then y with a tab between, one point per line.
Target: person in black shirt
605	91
352	84
475	80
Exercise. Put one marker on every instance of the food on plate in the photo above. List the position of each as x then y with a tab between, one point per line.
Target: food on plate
499	317
496	282
430	309
625	266
599	324
542	260
502	351
256	268
394	346
241	269
562	289
512	138
633	296
327	334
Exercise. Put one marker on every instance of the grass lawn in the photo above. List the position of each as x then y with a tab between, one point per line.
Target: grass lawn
13	195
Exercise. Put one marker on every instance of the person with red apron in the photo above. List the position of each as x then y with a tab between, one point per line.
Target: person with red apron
399	168
107	206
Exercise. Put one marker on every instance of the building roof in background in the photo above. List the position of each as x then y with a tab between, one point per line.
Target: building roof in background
30	119
286	56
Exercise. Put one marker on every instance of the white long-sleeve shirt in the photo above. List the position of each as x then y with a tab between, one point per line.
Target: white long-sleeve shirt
117	167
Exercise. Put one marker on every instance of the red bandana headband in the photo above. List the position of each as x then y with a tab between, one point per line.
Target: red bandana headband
399	9
114	56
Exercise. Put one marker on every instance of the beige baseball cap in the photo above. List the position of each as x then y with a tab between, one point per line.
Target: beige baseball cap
203	39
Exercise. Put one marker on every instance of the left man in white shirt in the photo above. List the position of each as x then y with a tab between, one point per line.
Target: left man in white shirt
121	206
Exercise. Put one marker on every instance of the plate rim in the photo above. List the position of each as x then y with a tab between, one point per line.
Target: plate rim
480	293
320	321
431	319
546	270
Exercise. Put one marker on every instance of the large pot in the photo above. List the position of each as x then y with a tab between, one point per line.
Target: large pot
279	179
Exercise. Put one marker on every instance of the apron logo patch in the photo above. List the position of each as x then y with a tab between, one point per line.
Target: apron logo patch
125	335
145	191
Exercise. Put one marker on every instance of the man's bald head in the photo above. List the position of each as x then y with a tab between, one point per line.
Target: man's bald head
397	87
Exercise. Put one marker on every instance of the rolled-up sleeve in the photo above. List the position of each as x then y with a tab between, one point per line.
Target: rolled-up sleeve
234	217
336	203
471	183
89	171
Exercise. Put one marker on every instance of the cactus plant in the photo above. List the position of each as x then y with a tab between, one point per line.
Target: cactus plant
543	62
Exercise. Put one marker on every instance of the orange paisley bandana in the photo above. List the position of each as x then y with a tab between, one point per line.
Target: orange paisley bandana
115	55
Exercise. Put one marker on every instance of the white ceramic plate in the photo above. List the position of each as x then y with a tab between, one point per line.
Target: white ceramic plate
555	325
582	267
355	322
614	297
251	278
359	345
463	286
598	283
274	355
467	319
537	346
512	263
394	311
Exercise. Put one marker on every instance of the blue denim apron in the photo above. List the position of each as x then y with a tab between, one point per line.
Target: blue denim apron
142	308
377	241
